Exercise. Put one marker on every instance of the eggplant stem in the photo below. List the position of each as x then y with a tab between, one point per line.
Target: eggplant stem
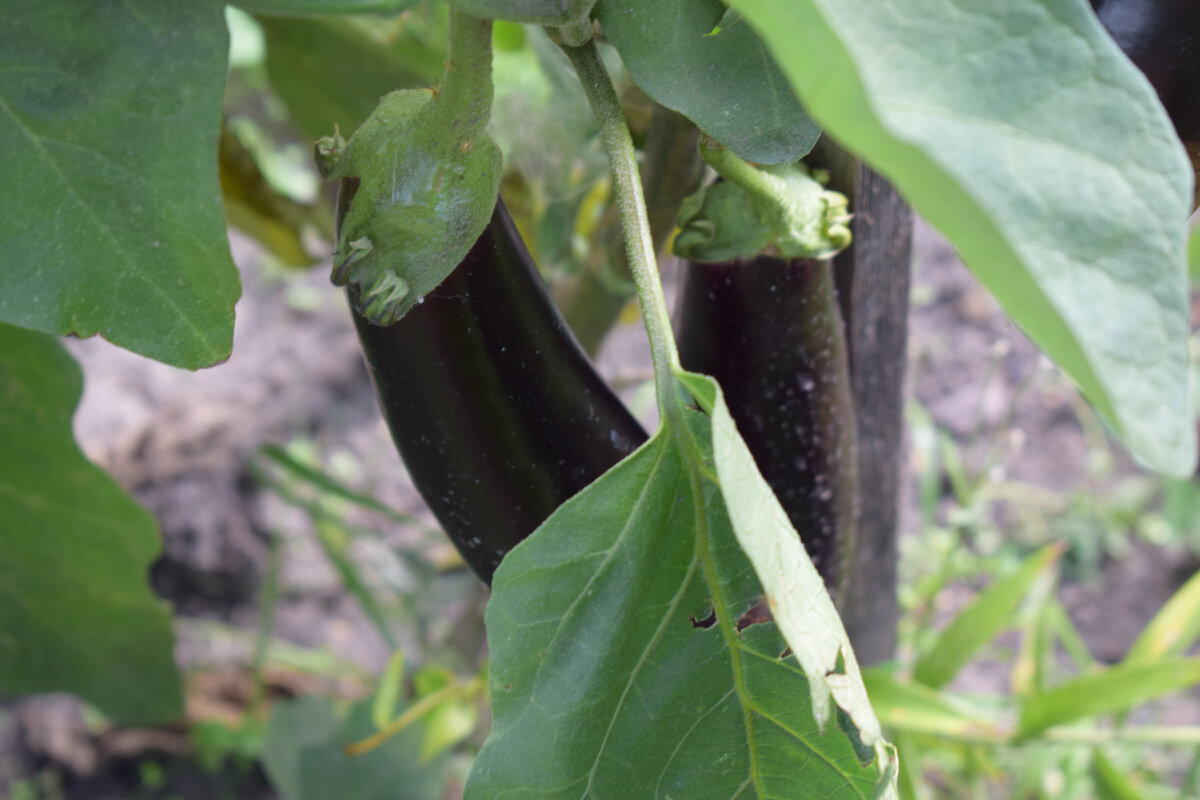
465	96
639	245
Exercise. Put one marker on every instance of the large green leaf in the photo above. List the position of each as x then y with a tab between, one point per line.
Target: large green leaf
76	614
726	82
629	659
111	217
305	759
1022	133
333	72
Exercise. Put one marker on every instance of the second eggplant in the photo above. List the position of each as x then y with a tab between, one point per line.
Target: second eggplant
770	332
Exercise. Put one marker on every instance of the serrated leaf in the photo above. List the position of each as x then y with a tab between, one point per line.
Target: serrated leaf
311	7
617	665
1022	133
76	611
331	72
1113	690
989	614
111	218
726	82
305	760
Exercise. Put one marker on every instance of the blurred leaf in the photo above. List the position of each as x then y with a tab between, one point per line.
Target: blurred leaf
76	611
111	220
387	694
726	82
447	725
980	622
305	760
1033	669
432	678
332	72
253	206
321	480
911	781
1194	254
1111	782
1108	691
1174	628
306	7
915	708
1031	142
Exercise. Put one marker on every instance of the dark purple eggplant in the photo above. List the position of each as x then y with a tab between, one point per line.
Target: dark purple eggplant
496	411
771	333
1162	37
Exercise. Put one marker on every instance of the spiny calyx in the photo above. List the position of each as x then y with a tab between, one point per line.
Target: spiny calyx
428	181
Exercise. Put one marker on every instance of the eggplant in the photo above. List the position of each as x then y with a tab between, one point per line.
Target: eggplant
495	409
770	331
1162	37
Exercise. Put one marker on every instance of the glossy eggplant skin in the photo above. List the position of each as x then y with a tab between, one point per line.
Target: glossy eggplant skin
493	406
1162	37
771	333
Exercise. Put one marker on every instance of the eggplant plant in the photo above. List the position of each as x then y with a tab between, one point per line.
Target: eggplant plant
657	625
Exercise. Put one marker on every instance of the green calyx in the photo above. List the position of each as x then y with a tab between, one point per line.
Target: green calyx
428	180
780	211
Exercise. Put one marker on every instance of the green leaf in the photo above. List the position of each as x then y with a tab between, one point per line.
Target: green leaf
726	82
387	693
983	620
1174	628
304	758
1113	690
76	613
793	590
112	219
617	665
332	72
1023	134
907	706
1111	782
309	7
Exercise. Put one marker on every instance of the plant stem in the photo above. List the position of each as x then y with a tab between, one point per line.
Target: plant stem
672	170
465	96
414	712
639	245
763	188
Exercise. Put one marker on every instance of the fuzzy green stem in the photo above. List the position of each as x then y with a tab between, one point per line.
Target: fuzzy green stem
639	246
465	96
763	188
672	171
